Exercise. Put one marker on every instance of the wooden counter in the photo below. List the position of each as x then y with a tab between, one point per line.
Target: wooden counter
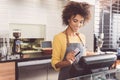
7	71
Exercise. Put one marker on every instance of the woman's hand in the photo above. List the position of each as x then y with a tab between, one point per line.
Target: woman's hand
70	57
88	53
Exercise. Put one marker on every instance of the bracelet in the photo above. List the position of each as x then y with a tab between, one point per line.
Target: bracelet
70	61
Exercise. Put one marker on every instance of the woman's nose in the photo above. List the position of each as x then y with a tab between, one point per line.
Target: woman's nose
78	24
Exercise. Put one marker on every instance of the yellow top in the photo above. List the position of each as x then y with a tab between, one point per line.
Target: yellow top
59	46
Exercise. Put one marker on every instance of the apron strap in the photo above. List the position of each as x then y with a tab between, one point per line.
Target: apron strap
67	38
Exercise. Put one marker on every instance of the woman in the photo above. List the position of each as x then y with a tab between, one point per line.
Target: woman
70	41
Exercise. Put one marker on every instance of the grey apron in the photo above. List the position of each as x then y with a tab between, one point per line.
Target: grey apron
65	72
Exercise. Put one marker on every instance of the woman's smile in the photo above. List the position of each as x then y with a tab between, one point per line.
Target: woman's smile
75	22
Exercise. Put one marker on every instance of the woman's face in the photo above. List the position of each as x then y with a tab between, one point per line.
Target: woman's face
75	22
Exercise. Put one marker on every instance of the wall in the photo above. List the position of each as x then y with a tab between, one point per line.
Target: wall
88	30
3	16
46	12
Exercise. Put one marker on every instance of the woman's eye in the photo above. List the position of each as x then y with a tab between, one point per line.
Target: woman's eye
81	22
74	20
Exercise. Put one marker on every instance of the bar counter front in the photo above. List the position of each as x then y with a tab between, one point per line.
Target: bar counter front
10	64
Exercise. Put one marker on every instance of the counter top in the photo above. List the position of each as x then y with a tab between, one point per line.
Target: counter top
26	57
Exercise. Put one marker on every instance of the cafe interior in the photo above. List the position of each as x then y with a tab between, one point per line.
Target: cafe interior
32	25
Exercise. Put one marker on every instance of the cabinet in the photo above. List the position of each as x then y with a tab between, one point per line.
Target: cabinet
52	74
37	72
7	71
34	72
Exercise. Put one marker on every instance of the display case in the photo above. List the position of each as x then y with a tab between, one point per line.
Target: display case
113	74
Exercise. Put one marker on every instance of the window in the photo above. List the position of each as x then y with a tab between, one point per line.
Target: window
108	22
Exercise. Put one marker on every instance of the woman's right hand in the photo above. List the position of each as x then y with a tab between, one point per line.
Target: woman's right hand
70	56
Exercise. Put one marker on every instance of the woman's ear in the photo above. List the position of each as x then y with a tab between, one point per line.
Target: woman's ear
68	20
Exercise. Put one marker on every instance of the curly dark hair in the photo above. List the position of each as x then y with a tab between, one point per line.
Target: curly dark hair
74	8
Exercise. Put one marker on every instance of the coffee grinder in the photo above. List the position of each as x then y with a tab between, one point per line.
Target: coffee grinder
16	49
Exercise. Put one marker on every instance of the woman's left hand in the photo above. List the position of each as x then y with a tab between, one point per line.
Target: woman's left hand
88	53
